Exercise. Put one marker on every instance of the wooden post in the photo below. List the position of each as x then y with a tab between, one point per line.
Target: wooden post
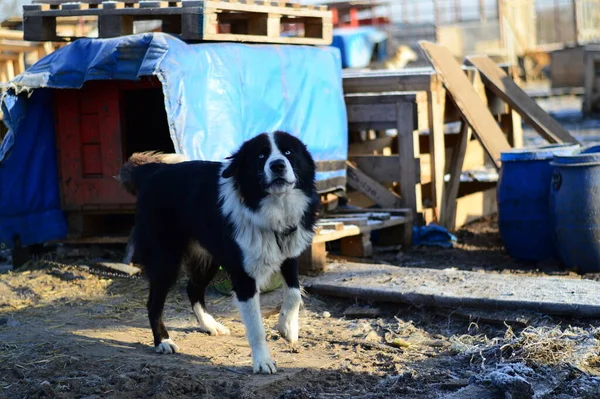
313	260
436	103
557	26
436	16
456	164
500	10
457	10
482	16
575	21
408	149
405	11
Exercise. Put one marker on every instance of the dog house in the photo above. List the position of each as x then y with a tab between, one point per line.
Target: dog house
76	116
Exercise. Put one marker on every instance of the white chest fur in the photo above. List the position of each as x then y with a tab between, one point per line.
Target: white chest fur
260	234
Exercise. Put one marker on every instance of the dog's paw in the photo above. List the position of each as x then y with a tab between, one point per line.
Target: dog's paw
209	325
167	346
264	365
216	329
288	328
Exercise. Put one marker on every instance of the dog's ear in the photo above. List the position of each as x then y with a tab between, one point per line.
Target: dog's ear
232	168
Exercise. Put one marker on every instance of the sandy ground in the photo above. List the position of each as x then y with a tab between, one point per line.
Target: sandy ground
67	333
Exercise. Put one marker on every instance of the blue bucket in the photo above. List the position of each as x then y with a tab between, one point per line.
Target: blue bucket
575	207
524	218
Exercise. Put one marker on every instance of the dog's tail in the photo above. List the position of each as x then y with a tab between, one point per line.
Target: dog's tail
131	174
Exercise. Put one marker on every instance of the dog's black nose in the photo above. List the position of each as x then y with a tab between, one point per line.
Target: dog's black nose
277	166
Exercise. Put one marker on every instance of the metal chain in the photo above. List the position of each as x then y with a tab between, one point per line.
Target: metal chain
90	269
220	277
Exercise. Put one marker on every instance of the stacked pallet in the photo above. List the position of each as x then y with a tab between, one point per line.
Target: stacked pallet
207	20
352	227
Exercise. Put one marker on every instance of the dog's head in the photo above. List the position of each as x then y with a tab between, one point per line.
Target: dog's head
275	163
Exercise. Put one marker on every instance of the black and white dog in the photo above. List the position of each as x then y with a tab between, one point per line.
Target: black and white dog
253	214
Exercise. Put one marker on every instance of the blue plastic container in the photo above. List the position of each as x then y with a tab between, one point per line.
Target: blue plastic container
524	217
575	206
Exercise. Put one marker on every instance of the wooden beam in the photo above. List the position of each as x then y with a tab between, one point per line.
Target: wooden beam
448	214
383	197
408	151
467	100
371	146
383	168
504	87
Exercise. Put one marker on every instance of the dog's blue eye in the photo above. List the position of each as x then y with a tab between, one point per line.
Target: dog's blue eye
288	152
261	156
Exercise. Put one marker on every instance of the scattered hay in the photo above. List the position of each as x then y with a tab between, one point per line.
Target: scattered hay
551	346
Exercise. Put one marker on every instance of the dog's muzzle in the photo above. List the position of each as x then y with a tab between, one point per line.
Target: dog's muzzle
280	176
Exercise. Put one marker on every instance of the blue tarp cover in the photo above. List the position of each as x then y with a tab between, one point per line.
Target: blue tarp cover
356	45
216	97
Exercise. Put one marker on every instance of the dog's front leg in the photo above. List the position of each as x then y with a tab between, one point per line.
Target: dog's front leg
248	300
288	316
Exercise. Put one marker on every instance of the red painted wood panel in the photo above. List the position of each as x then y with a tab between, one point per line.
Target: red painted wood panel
88	129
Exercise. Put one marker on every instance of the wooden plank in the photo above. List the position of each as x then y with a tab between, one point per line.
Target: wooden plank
408	151
371	146
459	289
371	188
331	235
385	81
391	211
448	211
11	34
504	87
448	215
383	168
437	105
382	224
363	221
121	267
374	215
467	101
474	206
326	224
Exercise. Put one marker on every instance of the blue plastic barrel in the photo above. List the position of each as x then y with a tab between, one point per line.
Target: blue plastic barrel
523	210
575	206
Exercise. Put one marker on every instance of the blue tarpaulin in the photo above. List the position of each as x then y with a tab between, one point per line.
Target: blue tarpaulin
216	96
357	45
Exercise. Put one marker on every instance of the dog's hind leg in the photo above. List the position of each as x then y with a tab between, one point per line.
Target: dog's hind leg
292	299
156	304
200	277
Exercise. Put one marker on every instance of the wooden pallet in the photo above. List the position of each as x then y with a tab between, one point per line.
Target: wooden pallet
208	20
353	228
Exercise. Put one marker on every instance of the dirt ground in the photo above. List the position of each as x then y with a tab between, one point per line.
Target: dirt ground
68	333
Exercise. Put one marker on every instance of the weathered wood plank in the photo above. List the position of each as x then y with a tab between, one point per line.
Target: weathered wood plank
472	108
448	216
385	169
454	289
121	267
504	87
371	188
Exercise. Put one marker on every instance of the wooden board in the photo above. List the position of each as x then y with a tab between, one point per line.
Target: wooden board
468	101
378	193
454	289
505	88
456	166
